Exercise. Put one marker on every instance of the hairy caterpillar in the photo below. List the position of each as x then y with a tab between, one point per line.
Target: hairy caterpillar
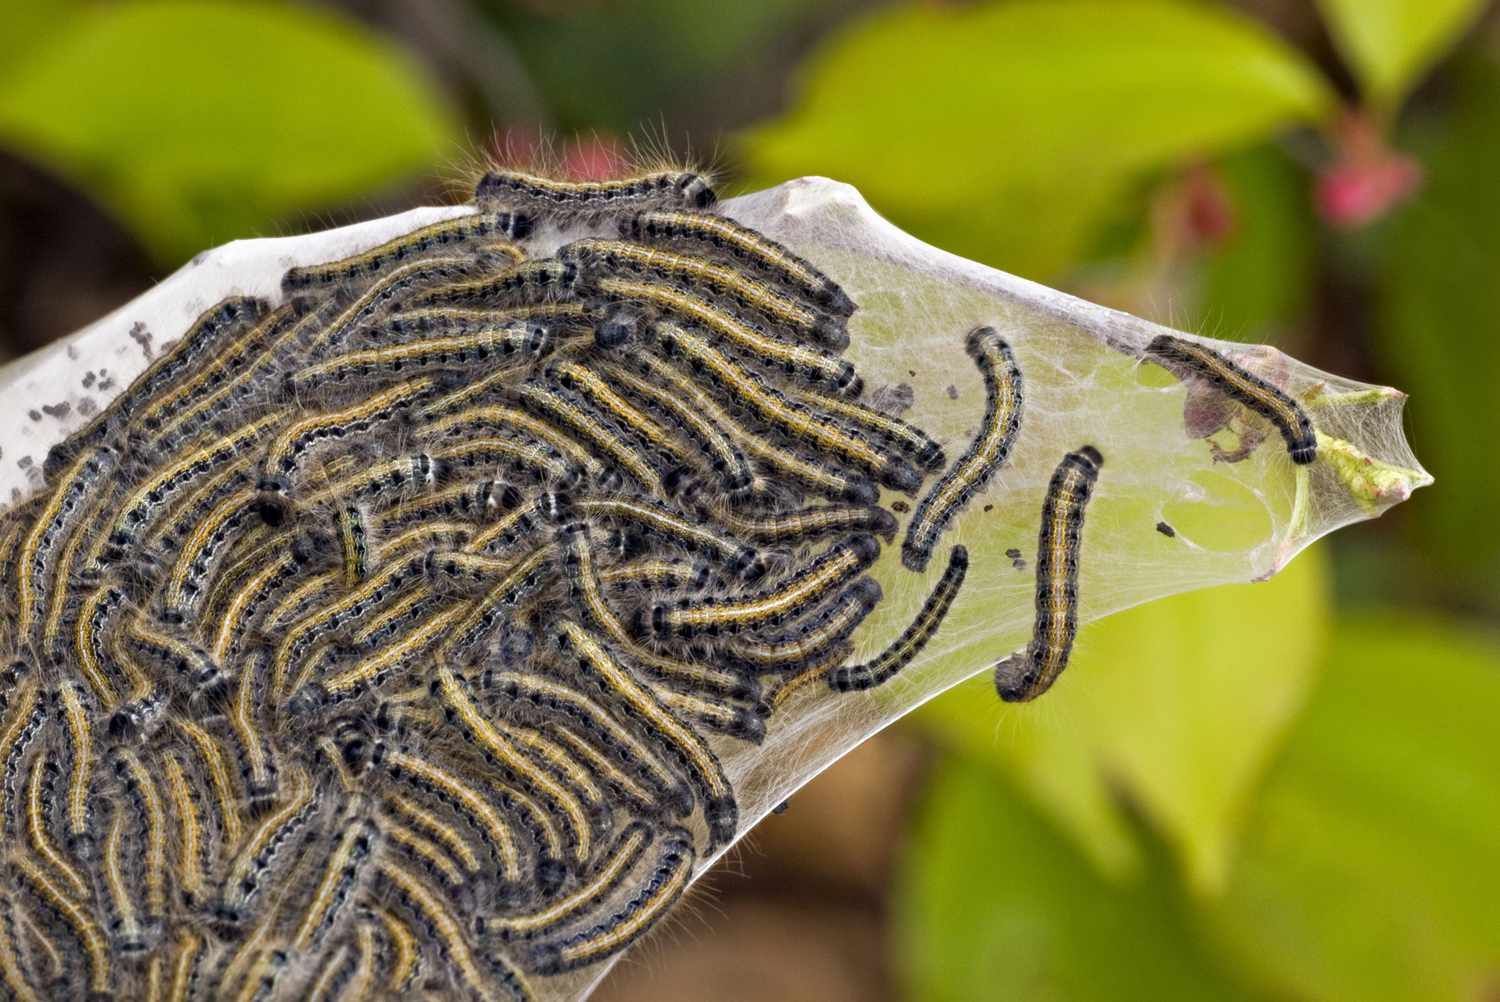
625	496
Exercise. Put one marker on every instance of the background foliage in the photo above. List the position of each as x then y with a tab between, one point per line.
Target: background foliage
1286	791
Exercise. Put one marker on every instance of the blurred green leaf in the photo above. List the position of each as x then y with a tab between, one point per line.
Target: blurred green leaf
588	57
1391	43
992	904
1043	111
1180	702
1260	276
198	122
1440	314
1370	867
26	25
1050	760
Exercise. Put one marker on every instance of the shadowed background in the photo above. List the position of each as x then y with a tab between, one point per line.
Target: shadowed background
1282	791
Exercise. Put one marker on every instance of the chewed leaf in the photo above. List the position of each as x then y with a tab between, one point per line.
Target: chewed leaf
1200	441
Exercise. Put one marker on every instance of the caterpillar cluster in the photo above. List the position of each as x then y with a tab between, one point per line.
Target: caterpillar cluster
386	639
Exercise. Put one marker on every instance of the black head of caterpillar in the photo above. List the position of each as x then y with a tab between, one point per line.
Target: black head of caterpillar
620	325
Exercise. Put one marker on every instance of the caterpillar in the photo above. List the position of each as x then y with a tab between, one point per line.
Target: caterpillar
403	631
1240	385
1026	675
